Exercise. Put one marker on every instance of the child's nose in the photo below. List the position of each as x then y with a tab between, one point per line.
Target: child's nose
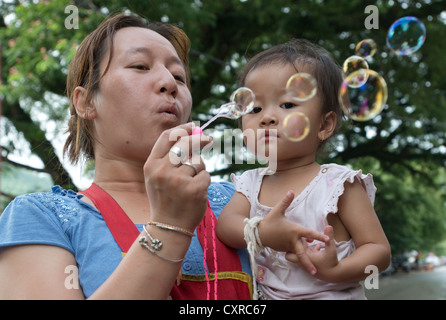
268	119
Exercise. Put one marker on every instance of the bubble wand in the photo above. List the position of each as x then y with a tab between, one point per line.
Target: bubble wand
242	102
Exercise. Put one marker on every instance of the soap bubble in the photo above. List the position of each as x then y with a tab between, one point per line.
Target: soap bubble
406	35
296	126
364	102
301	86
366	48
357	65
242	102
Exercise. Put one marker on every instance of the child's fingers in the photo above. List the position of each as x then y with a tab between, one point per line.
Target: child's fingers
329	232
282	205
302	257
292	257
330	243
312	235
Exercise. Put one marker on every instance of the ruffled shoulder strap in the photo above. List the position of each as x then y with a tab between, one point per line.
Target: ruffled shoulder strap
248	183
335	178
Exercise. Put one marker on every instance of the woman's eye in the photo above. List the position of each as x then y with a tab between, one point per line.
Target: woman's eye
180	79
287	105
140	67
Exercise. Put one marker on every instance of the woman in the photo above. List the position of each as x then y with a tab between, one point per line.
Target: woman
129	93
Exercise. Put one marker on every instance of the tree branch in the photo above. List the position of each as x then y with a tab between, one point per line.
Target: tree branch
24	166
39	144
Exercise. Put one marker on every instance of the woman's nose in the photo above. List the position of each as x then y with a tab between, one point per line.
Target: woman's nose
166	82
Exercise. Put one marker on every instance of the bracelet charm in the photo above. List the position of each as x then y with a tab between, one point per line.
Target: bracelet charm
156	243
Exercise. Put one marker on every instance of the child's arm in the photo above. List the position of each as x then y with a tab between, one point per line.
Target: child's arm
357	215
275	231
230	222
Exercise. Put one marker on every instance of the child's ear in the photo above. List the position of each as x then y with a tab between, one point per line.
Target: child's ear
84	109
328	125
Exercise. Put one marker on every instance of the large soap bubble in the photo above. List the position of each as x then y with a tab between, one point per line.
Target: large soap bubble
406	35
364	102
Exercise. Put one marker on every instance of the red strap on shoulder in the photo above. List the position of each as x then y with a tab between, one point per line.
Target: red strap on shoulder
227	259
122	228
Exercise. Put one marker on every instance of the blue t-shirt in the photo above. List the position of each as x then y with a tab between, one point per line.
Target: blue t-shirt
61	219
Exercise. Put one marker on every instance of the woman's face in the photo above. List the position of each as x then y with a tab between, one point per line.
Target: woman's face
142	94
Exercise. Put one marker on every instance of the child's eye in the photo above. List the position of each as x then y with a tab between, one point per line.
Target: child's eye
287	105
256	110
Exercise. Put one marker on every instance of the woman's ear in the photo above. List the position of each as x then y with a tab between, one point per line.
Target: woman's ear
84	108
328	125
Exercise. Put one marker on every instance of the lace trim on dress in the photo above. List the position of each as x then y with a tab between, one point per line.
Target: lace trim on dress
367	182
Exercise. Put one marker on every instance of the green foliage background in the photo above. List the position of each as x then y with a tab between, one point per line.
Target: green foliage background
404	147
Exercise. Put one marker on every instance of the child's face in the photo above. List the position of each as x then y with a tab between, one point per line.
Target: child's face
271	106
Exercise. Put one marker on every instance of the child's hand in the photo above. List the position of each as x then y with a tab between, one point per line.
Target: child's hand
325	260
280	234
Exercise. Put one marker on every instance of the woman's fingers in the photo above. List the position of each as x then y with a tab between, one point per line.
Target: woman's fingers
186	147
168	138
193	165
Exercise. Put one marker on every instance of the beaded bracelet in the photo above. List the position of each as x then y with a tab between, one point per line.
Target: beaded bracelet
170	227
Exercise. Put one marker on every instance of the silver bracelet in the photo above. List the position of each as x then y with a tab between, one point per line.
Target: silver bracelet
170	227
156	243
144	243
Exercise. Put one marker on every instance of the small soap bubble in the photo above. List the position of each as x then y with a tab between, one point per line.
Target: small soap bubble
365	48
243	100
406	35
301	86
359	66
296	126
365	102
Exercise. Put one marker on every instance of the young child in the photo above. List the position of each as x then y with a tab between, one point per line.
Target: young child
301	194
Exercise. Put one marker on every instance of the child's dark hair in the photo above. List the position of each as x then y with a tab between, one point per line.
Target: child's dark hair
322	65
